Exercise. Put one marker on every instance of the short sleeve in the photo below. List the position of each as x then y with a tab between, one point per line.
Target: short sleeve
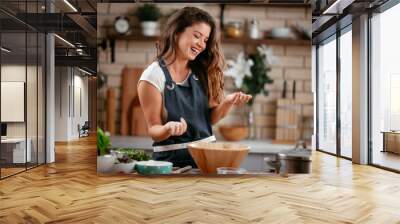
154	75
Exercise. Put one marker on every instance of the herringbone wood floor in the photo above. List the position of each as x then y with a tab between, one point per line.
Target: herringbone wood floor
69	191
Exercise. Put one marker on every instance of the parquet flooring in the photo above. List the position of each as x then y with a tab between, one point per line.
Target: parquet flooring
10	171
69	191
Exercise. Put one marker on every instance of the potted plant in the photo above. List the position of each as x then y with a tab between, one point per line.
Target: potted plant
127	158
250	76
148	15
105	161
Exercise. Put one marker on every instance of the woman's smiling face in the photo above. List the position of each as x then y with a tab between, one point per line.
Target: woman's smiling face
193	40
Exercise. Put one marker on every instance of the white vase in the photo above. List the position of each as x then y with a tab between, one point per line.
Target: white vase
149	28
105	163
250	121
254	32
124	167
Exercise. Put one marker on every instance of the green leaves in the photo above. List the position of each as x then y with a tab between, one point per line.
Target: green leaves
148	12
255	83
134	154
103	142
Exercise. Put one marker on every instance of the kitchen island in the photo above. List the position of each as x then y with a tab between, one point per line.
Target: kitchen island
259	149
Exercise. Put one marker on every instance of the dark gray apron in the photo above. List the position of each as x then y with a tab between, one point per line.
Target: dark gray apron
191	103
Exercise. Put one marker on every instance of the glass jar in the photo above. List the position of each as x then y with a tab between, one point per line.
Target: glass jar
234	29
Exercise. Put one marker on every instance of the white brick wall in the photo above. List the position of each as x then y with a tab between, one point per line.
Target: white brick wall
294	60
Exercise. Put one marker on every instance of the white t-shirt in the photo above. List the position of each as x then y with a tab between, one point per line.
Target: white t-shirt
154	75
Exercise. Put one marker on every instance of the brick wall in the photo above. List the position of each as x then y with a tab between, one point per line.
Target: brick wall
294	60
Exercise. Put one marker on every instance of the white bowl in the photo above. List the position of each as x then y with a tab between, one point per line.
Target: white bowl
230	170
124	167
281	32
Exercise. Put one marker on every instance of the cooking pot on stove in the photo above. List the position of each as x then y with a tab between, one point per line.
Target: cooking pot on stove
296	160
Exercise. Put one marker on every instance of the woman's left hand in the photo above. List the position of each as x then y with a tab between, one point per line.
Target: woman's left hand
238	98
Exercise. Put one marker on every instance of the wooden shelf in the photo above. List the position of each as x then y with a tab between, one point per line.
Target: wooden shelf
132	37
269	41
243	40
111	34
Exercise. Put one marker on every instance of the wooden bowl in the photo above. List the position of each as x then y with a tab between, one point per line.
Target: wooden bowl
210	156
234	133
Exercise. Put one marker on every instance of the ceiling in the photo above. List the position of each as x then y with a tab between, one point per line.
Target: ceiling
76	24
328	16
215	1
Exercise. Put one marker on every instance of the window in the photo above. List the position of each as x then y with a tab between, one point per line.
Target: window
22	77
385	88
327	96
346	93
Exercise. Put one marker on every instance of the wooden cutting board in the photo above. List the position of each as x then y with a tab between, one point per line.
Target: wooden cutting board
111	109
132	117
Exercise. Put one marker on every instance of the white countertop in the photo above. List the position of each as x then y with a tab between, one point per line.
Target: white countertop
145	143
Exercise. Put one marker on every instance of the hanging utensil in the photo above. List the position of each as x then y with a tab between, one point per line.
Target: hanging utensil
112	45
284	90
294	89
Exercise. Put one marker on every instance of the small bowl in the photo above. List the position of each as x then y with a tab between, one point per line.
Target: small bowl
230	170
281	32
153	167
126	168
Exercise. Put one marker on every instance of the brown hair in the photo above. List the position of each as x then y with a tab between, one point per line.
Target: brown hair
209	64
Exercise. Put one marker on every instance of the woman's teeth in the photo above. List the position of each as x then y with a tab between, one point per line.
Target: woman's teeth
194	50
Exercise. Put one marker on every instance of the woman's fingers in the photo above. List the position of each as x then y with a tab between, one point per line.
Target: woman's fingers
232	98
243	99
246	98
177	128
236	98
174	129
239	99
184	125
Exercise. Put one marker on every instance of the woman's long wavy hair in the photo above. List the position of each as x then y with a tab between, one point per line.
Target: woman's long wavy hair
209	64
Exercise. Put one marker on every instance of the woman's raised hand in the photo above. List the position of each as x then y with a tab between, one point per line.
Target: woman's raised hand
175	128
238	98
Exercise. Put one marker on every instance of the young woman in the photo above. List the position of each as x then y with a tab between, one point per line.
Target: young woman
181	93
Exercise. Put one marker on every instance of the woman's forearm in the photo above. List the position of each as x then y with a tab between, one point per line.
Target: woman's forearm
158	133
220	111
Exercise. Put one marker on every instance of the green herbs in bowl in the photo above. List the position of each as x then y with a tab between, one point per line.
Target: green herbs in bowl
127	155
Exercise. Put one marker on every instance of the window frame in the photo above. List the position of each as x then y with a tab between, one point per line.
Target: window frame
347	27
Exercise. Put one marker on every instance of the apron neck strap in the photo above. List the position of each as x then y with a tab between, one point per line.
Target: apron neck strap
164	68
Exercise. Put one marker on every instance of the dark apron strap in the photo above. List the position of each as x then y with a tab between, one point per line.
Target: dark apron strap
167	75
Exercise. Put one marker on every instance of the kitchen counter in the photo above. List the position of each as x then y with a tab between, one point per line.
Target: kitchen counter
259	149
256	146
193	173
